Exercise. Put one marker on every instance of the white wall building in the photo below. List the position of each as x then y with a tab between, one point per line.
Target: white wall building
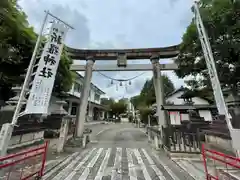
130	107
95	110
178	107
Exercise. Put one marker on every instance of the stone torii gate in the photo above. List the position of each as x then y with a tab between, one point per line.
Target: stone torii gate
122	55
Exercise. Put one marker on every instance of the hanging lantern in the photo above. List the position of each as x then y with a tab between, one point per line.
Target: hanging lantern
129	82
121	83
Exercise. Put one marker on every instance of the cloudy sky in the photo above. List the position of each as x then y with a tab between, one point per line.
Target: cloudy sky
118	24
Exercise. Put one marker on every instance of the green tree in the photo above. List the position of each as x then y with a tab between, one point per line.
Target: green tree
64	77
107	101
17	40
221	19
144	113
118	108
137	101
16	44
147	96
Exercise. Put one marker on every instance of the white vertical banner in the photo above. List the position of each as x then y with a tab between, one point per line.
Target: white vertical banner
43	82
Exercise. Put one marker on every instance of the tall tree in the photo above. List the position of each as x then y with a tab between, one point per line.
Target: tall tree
16	44
221	19
118	108
17	40
147	95
107	102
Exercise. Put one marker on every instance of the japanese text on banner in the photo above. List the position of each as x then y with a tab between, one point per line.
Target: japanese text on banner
43	82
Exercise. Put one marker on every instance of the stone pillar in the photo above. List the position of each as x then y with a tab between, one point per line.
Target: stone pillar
157	81
70	107
149	136
63	133
102	115
156	141
81	116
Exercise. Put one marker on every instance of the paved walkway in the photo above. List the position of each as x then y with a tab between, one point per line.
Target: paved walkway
120	152
112	163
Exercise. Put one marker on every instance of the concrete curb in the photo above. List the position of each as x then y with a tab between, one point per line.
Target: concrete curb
95	123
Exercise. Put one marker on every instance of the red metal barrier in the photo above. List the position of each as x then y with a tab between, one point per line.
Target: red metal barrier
218	165
25	165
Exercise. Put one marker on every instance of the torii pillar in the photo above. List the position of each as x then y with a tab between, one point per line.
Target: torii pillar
81	115
159	91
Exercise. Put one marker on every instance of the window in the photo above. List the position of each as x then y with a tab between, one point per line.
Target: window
78	87
74	108
96	97
188	101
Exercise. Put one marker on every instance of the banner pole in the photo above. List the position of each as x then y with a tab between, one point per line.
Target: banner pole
7	128
29	71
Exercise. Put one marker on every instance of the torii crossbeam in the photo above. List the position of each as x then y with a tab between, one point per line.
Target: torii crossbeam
122	55
129	67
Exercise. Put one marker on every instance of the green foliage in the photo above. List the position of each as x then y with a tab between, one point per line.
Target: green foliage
118	108
107	102
144	113
147	96
64	77
17	40
137	101
221	19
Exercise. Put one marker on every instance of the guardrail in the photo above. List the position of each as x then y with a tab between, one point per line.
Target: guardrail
218	165
24	165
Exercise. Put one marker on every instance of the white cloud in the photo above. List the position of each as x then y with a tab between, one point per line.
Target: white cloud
118	24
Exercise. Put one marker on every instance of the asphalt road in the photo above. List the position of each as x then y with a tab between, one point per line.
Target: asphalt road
117	152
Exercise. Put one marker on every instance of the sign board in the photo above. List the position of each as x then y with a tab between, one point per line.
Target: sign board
122	60
43	82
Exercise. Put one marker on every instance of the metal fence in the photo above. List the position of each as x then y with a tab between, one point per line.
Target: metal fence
218	165
24	165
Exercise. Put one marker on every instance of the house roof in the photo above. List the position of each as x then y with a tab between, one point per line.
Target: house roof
188	107
176	91
99	106
187	92
182	96
93	86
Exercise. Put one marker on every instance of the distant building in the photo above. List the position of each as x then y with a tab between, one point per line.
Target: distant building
179	106
95	111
